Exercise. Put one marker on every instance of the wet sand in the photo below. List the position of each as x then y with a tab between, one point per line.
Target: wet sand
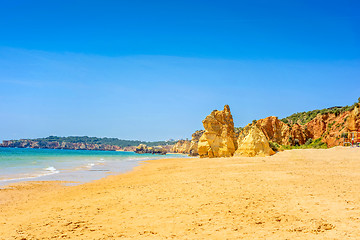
297	194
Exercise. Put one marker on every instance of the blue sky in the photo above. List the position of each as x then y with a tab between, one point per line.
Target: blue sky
153	70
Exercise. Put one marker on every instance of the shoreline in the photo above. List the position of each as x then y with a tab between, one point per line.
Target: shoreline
134	168
301	194
64	182
71	165
171	153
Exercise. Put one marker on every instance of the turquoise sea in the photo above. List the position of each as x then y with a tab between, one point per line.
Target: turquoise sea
27	164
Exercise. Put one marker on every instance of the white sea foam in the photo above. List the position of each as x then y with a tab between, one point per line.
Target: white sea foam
84	167
51	170
90	165
46	172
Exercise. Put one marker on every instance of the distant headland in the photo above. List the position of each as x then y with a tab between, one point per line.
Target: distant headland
82	143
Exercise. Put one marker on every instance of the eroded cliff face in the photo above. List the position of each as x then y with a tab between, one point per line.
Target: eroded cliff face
182	146
188	147
253	143
219	139
195	142
329	127
297	135
281	133
317	127
353	123
274	130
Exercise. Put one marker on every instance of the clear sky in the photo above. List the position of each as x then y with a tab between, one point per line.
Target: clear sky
153	70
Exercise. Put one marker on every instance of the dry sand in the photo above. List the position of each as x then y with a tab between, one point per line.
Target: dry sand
298	194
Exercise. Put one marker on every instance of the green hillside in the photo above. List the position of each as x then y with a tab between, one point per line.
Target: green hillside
305	117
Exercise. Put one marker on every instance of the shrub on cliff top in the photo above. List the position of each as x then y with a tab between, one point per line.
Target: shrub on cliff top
305	117
238	129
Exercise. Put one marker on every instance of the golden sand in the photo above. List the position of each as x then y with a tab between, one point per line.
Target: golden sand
298	194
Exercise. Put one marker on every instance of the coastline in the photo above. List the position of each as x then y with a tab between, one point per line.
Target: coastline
18	165
176	154
302	194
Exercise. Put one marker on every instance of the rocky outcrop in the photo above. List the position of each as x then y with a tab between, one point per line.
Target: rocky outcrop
253	144
353	123
182	146
274	130
317	127
195	142
188	147
281	133
142	148
328	127
297	135
167	148
219	139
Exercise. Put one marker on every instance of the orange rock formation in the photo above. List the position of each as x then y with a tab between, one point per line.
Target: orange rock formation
219	139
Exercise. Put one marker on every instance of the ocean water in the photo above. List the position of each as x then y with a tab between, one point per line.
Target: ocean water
79	166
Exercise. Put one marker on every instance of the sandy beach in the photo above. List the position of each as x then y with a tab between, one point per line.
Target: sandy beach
297	194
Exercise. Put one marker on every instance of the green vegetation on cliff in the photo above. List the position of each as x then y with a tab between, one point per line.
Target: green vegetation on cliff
238	130
305	117
105	141
317	144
